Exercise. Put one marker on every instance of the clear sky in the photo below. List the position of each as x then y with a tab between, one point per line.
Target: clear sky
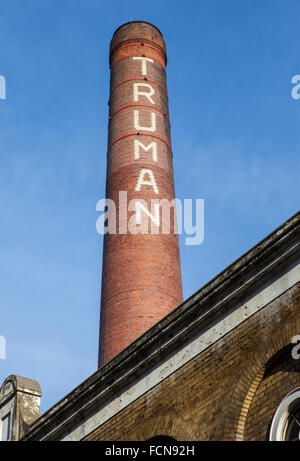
236	144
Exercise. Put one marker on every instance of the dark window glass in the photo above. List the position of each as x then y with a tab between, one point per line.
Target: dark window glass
292	432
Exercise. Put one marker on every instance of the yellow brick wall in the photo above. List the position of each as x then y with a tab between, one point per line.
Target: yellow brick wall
228	392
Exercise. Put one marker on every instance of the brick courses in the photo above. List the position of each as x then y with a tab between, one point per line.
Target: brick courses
229	392
141	279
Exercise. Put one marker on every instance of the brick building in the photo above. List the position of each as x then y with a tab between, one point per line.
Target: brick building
222	365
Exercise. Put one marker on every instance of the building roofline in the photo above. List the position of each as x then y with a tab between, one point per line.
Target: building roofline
246	273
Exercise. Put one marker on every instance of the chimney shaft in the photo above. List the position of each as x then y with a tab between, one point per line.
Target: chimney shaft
141	277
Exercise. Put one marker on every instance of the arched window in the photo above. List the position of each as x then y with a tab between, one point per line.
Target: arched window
286	421
161	439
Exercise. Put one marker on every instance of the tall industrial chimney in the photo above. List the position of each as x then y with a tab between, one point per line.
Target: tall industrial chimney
141	278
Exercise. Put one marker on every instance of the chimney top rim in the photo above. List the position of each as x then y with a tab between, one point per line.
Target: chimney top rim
137	22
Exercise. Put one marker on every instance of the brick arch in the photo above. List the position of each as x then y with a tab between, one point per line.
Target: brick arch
282	375
249	380
163	426
241	425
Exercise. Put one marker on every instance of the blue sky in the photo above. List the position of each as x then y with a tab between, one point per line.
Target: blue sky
236	143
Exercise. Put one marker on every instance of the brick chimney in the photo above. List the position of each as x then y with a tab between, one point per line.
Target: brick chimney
141	278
